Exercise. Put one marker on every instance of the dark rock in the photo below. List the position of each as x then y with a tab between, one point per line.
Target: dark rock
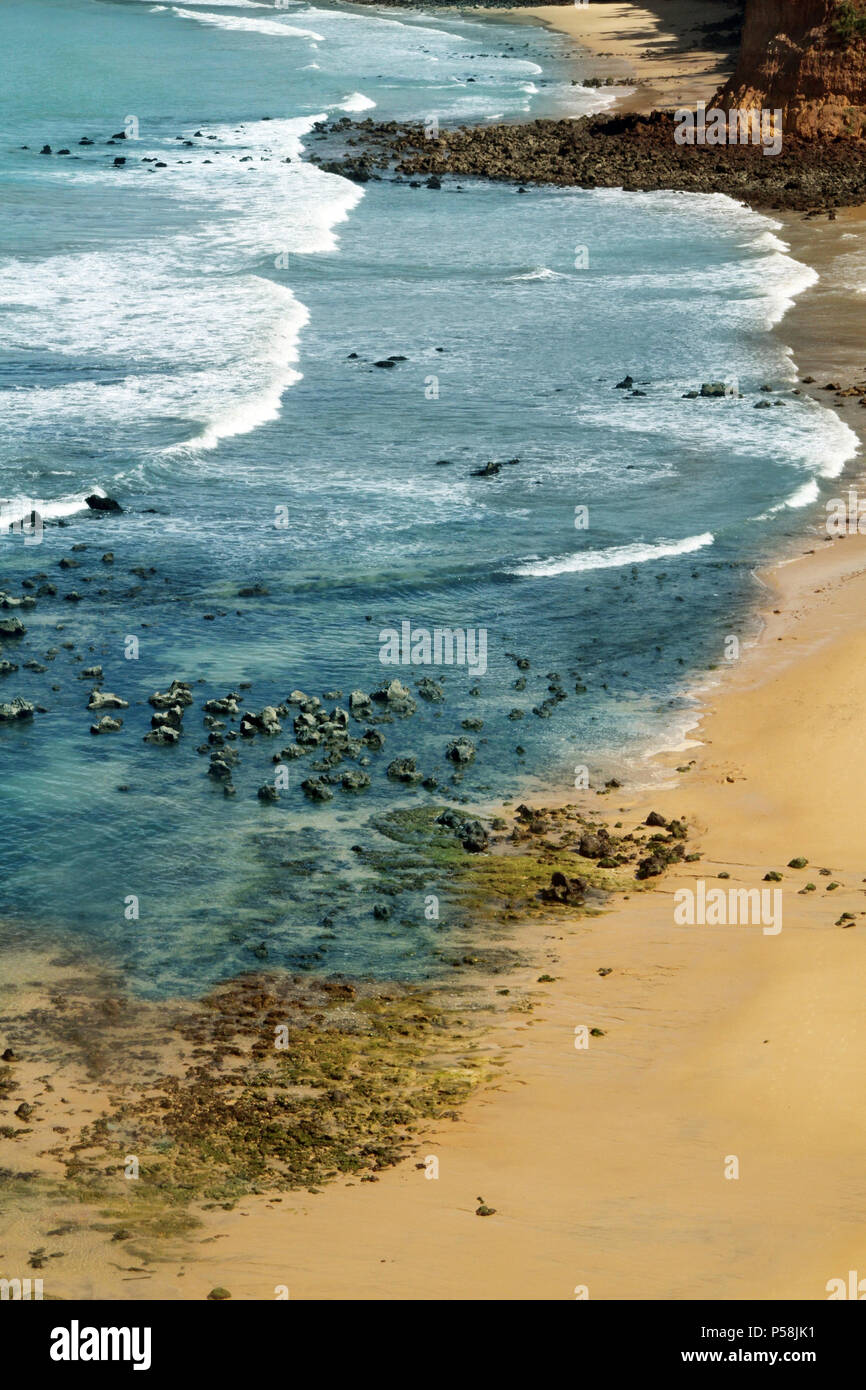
592	846
178	693
430	690
404	770
460	750
316	790
355	781
163	736
564	890
96	503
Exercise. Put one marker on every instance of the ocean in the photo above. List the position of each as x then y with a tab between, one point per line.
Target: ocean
195	332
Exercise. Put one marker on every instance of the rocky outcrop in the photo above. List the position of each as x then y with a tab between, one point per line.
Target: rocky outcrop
632	152
806	58
14	710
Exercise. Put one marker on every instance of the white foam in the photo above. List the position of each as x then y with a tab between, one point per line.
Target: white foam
539	272
181	334
216	4
15	509
274	359
356	101
612	557
802	496
249	26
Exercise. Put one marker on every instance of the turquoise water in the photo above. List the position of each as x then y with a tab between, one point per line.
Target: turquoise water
181	338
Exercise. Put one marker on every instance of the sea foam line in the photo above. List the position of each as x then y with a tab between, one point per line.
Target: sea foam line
250	26
612	556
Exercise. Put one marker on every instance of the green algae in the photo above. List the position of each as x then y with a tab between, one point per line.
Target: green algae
353	1079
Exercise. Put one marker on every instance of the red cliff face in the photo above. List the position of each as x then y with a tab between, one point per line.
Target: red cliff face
794	58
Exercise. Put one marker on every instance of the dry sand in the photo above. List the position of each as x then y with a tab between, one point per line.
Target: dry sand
660	44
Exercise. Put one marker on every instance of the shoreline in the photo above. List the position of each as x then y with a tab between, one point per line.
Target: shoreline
612	1176
605	1167
656	48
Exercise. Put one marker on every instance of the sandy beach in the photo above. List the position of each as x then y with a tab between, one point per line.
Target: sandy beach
662	45
707	1142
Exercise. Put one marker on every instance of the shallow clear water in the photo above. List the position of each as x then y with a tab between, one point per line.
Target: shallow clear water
181	339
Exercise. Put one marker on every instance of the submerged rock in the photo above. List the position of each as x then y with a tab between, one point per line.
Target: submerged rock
168	719
227	706
404	770
360	704
430	690
316	789
265	722
353	781
398	699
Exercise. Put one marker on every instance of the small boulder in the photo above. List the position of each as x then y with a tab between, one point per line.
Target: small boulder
106	725
96	503
460	750
163	736
16	709
104	699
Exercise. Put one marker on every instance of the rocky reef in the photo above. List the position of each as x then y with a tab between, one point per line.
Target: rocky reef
637	153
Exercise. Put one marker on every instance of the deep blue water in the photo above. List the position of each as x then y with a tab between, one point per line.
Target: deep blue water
180	339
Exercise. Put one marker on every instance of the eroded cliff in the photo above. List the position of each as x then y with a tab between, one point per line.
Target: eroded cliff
807	58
